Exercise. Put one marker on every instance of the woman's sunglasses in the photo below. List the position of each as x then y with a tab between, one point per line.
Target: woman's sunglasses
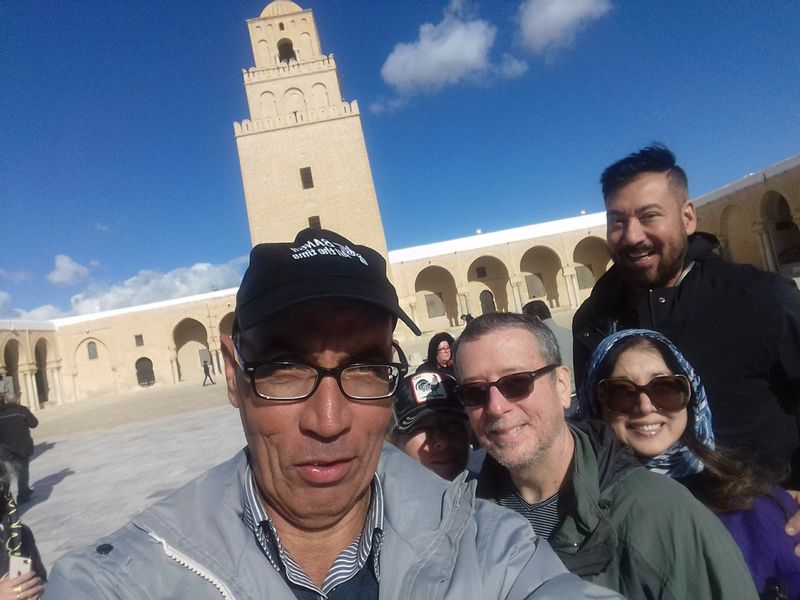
668	393
513	387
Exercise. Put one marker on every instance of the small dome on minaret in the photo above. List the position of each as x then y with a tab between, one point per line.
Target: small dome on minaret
280	7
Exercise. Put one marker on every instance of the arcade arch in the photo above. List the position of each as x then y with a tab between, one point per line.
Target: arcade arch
783	233
488	273
736	233
544	280
591	258
191	348
42	384
11	362
437	298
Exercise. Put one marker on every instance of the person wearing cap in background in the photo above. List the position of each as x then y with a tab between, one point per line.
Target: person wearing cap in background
430	425
306	510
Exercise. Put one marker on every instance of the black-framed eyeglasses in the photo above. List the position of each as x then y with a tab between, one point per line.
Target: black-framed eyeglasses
513	387
668	393
290	381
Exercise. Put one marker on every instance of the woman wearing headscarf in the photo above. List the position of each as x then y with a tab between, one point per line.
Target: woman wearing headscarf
640	384
440	355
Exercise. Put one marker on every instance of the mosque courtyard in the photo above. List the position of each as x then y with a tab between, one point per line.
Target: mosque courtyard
98	463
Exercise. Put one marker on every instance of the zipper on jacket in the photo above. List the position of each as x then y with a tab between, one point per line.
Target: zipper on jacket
187	563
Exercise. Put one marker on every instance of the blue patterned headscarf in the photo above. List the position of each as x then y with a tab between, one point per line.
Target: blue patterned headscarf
677	460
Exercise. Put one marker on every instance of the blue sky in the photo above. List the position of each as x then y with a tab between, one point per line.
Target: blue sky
119	177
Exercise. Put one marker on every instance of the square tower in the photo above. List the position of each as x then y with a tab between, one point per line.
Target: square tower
302	152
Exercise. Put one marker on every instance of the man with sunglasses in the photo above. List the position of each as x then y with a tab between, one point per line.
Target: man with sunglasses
610	520
307	510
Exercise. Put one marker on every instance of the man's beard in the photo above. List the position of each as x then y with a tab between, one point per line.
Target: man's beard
669	266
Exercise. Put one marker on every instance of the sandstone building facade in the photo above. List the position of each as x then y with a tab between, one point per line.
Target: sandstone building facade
304	163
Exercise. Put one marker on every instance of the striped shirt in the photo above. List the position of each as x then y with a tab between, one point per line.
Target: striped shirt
545	517
350	560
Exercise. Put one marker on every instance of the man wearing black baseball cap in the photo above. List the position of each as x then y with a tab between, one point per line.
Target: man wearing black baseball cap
430	425
306	510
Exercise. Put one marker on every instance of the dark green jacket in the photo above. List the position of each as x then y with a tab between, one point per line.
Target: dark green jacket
637	532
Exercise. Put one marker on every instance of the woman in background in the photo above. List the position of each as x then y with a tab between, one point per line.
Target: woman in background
440	355
645	390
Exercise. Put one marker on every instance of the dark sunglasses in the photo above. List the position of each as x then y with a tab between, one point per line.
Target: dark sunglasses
668	393
513	387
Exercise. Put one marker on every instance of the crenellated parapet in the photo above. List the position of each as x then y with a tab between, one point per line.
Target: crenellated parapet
327	113
254	75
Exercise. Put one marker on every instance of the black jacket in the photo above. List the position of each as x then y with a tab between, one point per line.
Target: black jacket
738	326
16	422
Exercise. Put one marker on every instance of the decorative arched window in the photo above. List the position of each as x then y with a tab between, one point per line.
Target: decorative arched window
144	372
286	51
91	349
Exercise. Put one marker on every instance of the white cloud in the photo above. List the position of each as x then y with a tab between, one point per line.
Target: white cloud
40	313
152	286
511	67
455	50
547	25
67	271
387	105
101	227
15	277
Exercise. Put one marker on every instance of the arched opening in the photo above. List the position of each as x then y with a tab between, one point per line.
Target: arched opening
226	324
319	96
40	354
11	362
783	233
145	375
191	344
437	299
591	259
544	280
488	273
294	102
286	51
487	302
740	244
269	106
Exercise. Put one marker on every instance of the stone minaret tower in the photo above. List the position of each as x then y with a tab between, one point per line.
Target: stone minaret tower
302	152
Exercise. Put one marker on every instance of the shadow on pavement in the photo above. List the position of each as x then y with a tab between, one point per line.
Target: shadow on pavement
41	448
44	487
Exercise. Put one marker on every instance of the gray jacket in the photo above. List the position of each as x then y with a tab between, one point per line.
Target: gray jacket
439	542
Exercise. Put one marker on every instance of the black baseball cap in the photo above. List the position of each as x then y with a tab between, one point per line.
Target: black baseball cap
318	264
423	394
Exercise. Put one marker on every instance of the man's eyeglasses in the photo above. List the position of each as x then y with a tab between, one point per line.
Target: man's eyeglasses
513	387
291	381
668	393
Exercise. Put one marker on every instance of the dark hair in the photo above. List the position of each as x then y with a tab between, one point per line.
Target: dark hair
477	328
656	158
433	345
728	482
537	308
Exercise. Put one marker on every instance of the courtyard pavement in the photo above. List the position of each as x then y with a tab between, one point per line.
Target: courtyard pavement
97	463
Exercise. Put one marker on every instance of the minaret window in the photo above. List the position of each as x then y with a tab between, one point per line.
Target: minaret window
280	26
306	179
286	51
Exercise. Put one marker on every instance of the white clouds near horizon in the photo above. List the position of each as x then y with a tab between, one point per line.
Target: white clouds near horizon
548	25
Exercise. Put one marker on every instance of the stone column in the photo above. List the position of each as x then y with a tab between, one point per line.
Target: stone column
54	383
463	301
572	285
516	287
765	246
31	394
174	367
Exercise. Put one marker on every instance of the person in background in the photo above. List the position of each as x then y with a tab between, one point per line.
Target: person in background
16	422
640	384
430	425
17	540
440	355
537	309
